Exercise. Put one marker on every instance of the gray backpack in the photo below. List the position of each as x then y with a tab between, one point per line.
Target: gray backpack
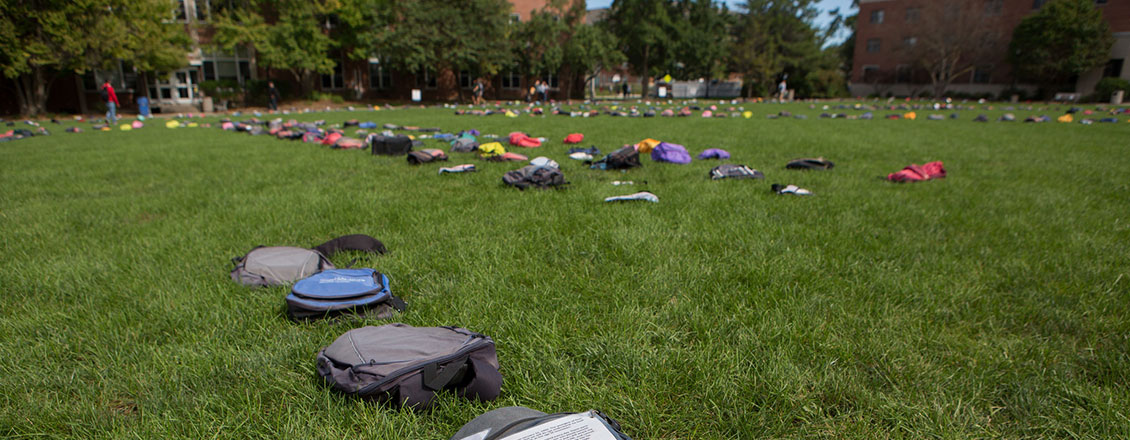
515	422
464	145
278	265
405	366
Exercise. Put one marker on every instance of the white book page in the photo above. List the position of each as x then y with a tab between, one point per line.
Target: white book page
572	427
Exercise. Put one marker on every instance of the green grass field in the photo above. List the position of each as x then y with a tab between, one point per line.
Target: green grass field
991	303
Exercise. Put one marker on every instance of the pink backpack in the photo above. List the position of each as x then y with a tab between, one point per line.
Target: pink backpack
916	173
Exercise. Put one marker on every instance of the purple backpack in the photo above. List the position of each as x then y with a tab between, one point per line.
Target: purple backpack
674	153
714	153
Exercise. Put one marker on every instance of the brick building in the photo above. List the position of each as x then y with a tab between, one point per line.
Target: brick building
885	28
179	91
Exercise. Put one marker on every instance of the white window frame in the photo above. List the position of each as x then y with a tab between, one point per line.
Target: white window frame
878	45
552	80
380	82
333	75
877	16
466	74
514	78
235	58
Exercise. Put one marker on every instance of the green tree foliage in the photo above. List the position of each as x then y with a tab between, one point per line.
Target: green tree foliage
1065	38
290	35
590	50
444	35
540	42
646	30
703	39
556	40
42	40
777	38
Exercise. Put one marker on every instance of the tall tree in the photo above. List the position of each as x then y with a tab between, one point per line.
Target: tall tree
776	38
590	50
556	40
1064	39
290	35
441	35
951	38
540	42
703	39
43	40
646	30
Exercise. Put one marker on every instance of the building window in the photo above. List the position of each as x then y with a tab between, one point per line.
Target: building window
994	7
1037	4
334	80
909	42
870	73
873	45
913	14
379	77
180	13
465	79
426	79
1100	2
202	8
877	16
209	70
1113	68
511	80
515	18
233	67
902	73
983	74
550	80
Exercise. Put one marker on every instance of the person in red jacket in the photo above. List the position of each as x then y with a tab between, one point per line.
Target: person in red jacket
112	104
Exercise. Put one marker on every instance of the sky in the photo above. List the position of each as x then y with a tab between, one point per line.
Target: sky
824	5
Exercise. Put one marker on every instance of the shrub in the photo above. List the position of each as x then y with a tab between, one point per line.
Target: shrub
323	96
221	89
1107	86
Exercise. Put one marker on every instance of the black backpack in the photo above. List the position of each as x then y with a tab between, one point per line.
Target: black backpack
105	95
390	145
535	176
626	157
818	163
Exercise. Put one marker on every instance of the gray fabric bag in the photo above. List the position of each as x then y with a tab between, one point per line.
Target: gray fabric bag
464	145
278	265
501	423
405	366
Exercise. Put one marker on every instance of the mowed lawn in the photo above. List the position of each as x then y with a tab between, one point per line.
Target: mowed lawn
991	303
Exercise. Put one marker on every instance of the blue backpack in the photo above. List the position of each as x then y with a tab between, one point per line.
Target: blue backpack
336	291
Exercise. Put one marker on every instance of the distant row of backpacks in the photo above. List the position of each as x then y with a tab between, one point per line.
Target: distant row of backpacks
398	364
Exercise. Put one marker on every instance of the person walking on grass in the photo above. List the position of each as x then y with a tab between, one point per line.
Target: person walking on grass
273	95
477	92
543	91
111	100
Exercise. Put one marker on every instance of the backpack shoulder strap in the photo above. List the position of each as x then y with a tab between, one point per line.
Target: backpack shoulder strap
354	242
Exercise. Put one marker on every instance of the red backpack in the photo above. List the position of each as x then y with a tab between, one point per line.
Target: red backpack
915	173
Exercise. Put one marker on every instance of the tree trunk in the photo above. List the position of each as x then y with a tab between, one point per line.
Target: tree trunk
31	88
644	73
81	95
305	80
